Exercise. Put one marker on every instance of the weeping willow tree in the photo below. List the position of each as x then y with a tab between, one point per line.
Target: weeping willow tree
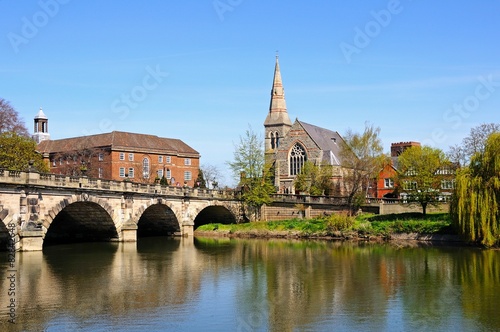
475	205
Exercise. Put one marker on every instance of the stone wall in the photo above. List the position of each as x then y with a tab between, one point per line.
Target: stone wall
402	208
286	210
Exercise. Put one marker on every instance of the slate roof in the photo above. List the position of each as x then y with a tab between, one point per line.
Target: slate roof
327	140
121	141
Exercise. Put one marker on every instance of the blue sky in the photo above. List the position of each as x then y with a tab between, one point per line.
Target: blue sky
201	70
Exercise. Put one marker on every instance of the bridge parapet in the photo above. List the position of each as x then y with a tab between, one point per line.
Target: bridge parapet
64	181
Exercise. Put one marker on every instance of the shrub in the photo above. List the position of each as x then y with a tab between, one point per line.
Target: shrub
339	222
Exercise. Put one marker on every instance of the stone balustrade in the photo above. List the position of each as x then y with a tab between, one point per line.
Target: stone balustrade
65	181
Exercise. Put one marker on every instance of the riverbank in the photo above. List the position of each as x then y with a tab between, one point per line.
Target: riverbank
366	227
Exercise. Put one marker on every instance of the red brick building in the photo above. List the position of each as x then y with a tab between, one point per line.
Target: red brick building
383	186
121	155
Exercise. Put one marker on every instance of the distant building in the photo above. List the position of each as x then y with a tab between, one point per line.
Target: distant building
384	186
398	148
121	155
288	146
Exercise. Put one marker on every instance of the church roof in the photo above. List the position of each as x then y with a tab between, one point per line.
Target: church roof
327	140
122	141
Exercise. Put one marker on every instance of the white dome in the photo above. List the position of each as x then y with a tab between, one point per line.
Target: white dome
40	115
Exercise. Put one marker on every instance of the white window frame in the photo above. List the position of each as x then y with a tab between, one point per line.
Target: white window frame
187	161
388	183
122	156
188	176
121	172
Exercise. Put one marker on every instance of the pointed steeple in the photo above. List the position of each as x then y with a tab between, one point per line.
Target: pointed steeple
277	122
277	107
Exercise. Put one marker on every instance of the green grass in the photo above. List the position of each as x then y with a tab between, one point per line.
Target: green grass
337	224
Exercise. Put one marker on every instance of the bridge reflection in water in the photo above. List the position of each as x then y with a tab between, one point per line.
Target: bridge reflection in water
246	285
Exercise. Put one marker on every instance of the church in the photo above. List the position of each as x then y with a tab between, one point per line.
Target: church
288	146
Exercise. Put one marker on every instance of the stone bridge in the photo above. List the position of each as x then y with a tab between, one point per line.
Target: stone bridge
42	209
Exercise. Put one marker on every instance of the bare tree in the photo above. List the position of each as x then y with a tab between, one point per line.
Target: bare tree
212	175
10	121
79	162
475	142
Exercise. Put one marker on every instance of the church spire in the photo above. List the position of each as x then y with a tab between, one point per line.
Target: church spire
277	122
278	103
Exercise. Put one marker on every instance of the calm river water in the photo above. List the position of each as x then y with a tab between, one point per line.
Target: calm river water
164	284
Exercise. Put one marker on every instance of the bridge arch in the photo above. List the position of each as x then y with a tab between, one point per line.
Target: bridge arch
80	218
156	219
4	232
214	214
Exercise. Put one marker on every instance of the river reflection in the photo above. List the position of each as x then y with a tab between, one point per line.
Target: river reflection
253	285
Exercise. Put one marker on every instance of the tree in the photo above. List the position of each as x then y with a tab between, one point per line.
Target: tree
475	207
362	158
200	180
10	121
80	162
255	192
474	143
255	178
211	175
314	179
421	171
18	152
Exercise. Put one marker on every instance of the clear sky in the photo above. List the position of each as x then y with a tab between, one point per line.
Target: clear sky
201	70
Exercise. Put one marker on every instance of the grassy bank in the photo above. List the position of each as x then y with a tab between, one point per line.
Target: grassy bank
340	226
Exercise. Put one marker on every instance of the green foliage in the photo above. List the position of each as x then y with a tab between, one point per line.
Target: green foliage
17	151
476	201
343	223
200	180
248	156
255	177
314	179
435	223
164	181
256	191
339	222
362	158
420	174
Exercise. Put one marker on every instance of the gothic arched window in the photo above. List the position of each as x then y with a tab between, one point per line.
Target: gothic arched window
277	139
273	145
297	159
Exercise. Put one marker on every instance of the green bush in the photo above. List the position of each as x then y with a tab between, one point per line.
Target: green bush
339	222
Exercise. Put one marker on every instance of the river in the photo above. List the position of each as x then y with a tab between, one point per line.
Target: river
160	284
